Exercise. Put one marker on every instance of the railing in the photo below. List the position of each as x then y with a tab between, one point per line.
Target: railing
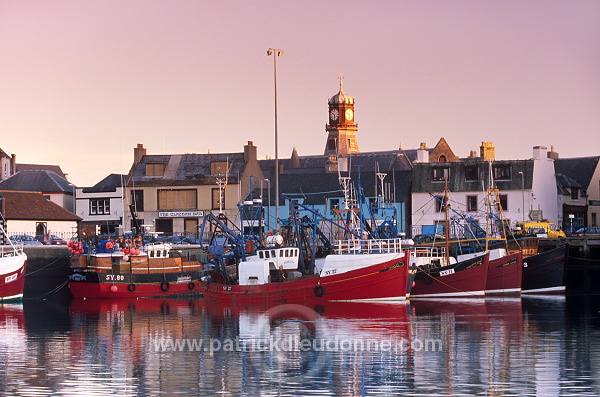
8	250
370	246
427	251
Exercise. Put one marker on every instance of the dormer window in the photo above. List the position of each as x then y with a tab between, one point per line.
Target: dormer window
502	172
575	193
471	173
155	169
440	174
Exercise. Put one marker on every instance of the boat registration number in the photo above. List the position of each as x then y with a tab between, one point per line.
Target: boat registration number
115	277
8	279
446	272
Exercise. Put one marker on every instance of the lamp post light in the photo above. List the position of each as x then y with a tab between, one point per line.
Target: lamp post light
268	203
276	52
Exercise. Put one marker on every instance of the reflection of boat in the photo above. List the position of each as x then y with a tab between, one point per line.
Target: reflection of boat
13	339
129	269
12	270
545	272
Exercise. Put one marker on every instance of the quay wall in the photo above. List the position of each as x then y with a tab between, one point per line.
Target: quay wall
583	263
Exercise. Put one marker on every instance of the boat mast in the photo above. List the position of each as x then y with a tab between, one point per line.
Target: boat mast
447	219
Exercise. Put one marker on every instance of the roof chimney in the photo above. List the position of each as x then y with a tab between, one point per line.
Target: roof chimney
487	151
13	164
250	152
138	153
422	153
538	152
552	154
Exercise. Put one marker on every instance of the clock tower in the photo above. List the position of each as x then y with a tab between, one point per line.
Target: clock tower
341	129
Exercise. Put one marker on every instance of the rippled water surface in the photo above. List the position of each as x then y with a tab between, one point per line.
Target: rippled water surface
506	347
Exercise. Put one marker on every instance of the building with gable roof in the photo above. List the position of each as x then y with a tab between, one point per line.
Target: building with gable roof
578	183
101	206
32	214
53	186
525	189
171	193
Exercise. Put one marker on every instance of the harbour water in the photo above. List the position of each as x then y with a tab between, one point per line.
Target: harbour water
530	346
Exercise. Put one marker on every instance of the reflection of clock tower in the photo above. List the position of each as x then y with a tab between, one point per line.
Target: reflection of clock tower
341	129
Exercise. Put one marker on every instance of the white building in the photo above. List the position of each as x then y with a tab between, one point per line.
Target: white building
526	189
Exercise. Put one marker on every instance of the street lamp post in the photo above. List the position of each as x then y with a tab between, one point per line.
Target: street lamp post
268	203
276	52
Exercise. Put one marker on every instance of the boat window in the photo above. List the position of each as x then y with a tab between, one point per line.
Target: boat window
273	254
260	254
281	253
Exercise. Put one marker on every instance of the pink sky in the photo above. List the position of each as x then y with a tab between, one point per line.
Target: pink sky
83	82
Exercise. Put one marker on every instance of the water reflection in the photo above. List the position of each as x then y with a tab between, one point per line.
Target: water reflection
529	346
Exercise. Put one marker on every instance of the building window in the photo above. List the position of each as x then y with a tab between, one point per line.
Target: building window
594	224
180	199
99	206
471	203
155	169
164	226
439	174
502	172
331	144
218	168
218	198
442	159
574	193
137	199
471	173
504	202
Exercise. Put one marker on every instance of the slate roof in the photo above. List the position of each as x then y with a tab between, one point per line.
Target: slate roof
327	185
563	182
108	184
36	181
385	161
33	206
423	183
191	169
579	169
41	167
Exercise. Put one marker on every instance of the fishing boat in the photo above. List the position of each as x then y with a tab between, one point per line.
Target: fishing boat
545	272
128	268
438	274
13	262
301	263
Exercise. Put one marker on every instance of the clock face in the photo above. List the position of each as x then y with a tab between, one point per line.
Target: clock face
349	114
334	114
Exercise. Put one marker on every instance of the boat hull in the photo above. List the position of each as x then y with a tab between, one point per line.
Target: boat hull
545	272
463	279
12	277
505	275
89	284
382	281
